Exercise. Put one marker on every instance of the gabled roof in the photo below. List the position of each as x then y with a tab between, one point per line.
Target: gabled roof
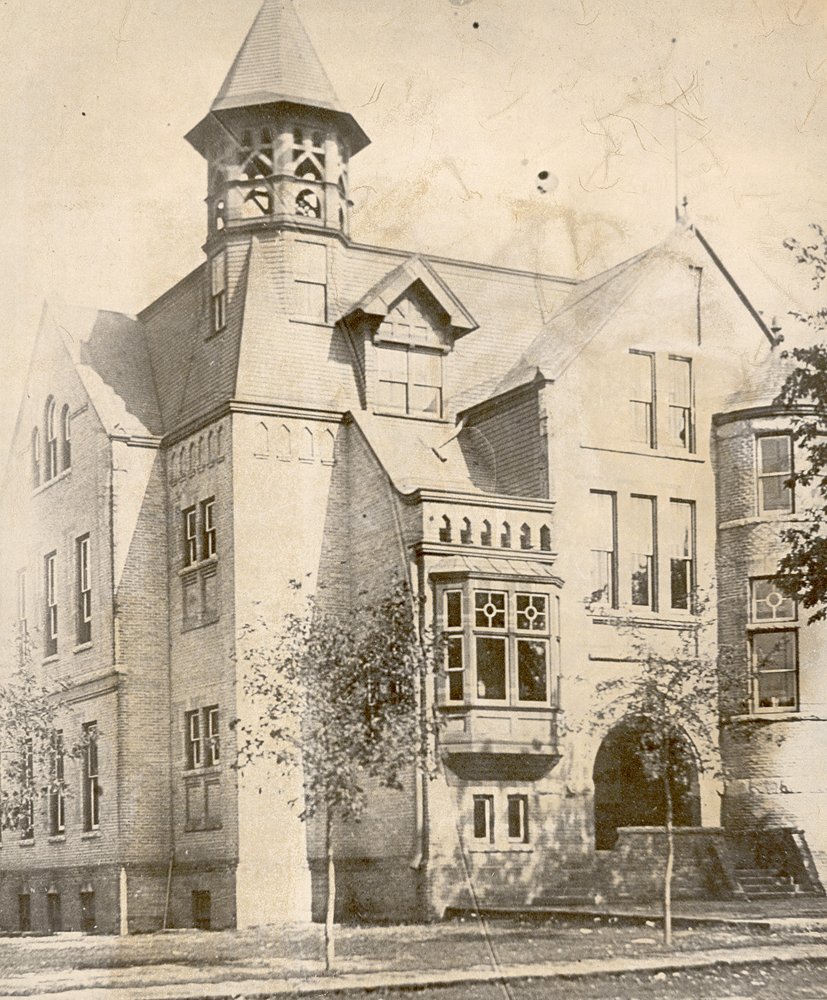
277	64
380	299
592	304
110	356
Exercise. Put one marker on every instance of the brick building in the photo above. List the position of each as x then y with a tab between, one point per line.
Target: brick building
306	406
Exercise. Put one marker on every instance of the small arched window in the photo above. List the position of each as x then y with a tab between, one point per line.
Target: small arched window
525	537
261	445
485	533
219	442
545	538
283	447
36	457
307	447
192	466
445	530
505	536
211	447
66	436
51	440
326	446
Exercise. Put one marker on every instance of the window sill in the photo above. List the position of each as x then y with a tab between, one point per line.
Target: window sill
428	418
310	321
194	626
638	619
201	564
55	479
778	715
672	454
91	835
82	647
203	828
494	849
57	838
52	658
202	771
28	842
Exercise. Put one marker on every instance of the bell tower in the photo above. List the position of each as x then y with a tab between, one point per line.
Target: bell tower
277	143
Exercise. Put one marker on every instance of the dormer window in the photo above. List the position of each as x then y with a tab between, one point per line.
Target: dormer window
410	380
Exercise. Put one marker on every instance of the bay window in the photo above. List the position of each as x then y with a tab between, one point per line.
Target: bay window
500	645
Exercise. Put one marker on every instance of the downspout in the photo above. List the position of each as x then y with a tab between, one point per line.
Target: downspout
418	856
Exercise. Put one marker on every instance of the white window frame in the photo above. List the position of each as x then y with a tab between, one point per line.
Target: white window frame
761	476
190	519
211	729
607	555
677	505
51	440
194	741
650	403
486	801
84	583
651	557
688	410
209	533
454	634
520	799
50	590
91	778
57	799
409	383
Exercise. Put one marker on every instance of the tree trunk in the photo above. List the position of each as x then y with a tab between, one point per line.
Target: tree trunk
330	903
670	863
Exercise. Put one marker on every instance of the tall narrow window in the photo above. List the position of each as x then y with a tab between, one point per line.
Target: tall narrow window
775	467
642	543
680	403
84	590
484	818
604	550
490	615
532	648
91	778
518	819
454	653
190	536
218	291
310	287
773	647
681	553
192	745
26	815
66	436
213	745
51	440
643	397
208	531
57	800
35	458
50	595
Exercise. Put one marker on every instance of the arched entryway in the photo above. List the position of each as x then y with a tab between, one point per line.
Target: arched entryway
625	796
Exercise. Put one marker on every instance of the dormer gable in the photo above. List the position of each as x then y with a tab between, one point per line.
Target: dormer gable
415	277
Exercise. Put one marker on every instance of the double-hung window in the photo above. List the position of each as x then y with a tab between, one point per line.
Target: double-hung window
50	596
26	814
190	536
201	739
775	468
91	778
57	799
310	286
773	639
208	531
681	553
454	647
643	397
84	590
199	579
642	533
604	549
51	440
680	403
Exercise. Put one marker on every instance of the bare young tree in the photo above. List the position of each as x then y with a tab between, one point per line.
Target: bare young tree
338	696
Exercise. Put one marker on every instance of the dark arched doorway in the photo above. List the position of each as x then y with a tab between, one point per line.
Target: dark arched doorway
625	796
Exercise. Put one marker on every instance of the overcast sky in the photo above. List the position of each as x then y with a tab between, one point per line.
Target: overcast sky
466	102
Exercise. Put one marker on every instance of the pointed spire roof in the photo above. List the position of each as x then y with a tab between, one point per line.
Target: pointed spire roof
277	64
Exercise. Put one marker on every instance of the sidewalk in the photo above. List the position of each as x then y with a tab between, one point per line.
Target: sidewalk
100	984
